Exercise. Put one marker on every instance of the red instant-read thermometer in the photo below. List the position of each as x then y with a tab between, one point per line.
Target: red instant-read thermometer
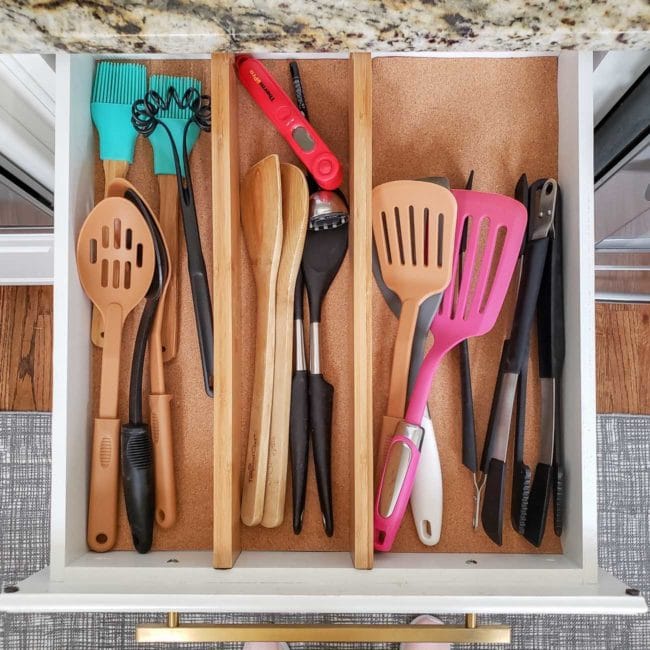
289	121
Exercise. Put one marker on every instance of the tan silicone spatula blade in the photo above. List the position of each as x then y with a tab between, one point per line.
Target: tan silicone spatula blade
413	224
295	210
261	218
115	260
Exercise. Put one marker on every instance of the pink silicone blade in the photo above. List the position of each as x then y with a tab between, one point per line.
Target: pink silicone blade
471	307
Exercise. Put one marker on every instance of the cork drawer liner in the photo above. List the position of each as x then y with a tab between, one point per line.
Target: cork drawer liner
431	116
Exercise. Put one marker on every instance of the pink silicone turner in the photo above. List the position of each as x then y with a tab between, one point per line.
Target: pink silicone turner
474	310
495	229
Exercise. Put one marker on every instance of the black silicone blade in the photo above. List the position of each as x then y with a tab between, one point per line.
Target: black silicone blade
493	500
538	504
558	500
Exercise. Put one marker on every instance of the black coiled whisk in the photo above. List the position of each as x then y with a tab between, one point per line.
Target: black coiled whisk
145	118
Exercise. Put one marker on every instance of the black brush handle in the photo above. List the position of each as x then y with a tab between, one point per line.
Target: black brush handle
492	512
138	482
470	459
321	397
299	444
538	504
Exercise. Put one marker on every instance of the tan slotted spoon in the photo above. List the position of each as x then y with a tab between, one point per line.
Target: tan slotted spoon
115	260
261	219
413	225
295	211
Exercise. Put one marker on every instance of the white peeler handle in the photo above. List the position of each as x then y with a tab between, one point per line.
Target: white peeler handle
426	498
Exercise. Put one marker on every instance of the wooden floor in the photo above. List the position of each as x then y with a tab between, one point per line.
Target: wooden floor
25	348
622	353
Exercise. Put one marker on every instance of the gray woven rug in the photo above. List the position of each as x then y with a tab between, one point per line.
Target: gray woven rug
624	536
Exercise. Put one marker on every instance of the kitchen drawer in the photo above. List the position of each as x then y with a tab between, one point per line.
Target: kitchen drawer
343	578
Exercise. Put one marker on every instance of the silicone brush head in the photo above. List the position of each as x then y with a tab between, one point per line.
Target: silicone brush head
115	87
175	118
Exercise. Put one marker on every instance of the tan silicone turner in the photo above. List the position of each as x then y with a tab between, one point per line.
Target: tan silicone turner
295	211
413	225
115	259
160	415
261	219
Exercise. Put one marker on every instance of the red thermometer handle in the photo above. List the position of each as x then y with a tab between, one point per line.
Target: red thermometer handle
289	121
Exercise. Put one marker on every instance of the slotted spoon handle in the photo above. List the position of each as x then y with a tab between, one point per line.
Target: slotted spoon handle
105	457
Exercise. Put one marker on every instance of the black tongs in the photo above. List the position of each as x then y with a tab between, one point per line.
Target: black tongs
145	121
542	213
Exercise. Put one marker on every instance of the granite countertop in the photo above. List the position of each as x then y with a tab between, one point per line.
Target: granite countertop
189	26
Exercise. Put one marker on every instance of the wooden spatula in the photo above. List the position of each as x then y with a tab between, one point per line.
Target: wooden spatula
413	225
295	210
115	259
261	219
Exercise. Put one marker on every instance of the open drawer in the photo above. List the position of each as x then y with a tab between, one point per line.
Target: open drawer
342	575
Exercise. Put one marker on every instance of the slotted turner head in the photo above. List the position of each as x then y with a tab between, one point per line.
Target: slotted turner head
472	302
495	226
413	223
115	255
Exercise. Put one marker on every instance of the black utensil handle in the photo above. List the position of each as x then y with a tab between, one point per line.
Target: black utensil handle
521	471
199	285
299	444
558	499
495	399
138	483
520	413
298	296
467	400
203	317
493	499
321	397
540	492
531	278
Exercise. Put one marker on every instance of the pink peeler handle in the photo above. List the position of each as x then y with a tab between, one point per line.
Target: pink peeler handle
396	484
290	122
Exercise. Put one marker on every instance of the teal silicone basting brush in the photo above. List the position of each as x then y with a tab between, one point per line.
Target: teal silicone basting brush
115	88
175	119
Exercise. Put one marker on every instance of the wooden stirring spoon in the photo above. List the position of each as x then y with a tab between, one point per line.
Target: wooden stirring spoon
295	209
115	260
261	219
413	224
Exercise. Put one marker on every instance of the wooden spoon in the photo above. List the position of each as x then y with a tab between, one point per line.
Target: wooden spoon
261	218
115	259
413	224
295	210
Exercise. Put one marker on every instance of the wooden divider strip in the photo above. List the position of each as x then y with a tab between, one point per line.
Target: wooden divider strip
226	300
361	226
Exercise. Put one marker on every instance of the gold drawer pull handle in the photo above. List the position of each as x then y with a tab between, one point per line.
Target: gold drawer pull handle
174	632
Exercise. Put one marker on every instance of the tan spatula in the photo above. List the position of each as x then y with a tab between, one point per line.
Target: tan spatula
115	259
413	225
295	210
261	219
